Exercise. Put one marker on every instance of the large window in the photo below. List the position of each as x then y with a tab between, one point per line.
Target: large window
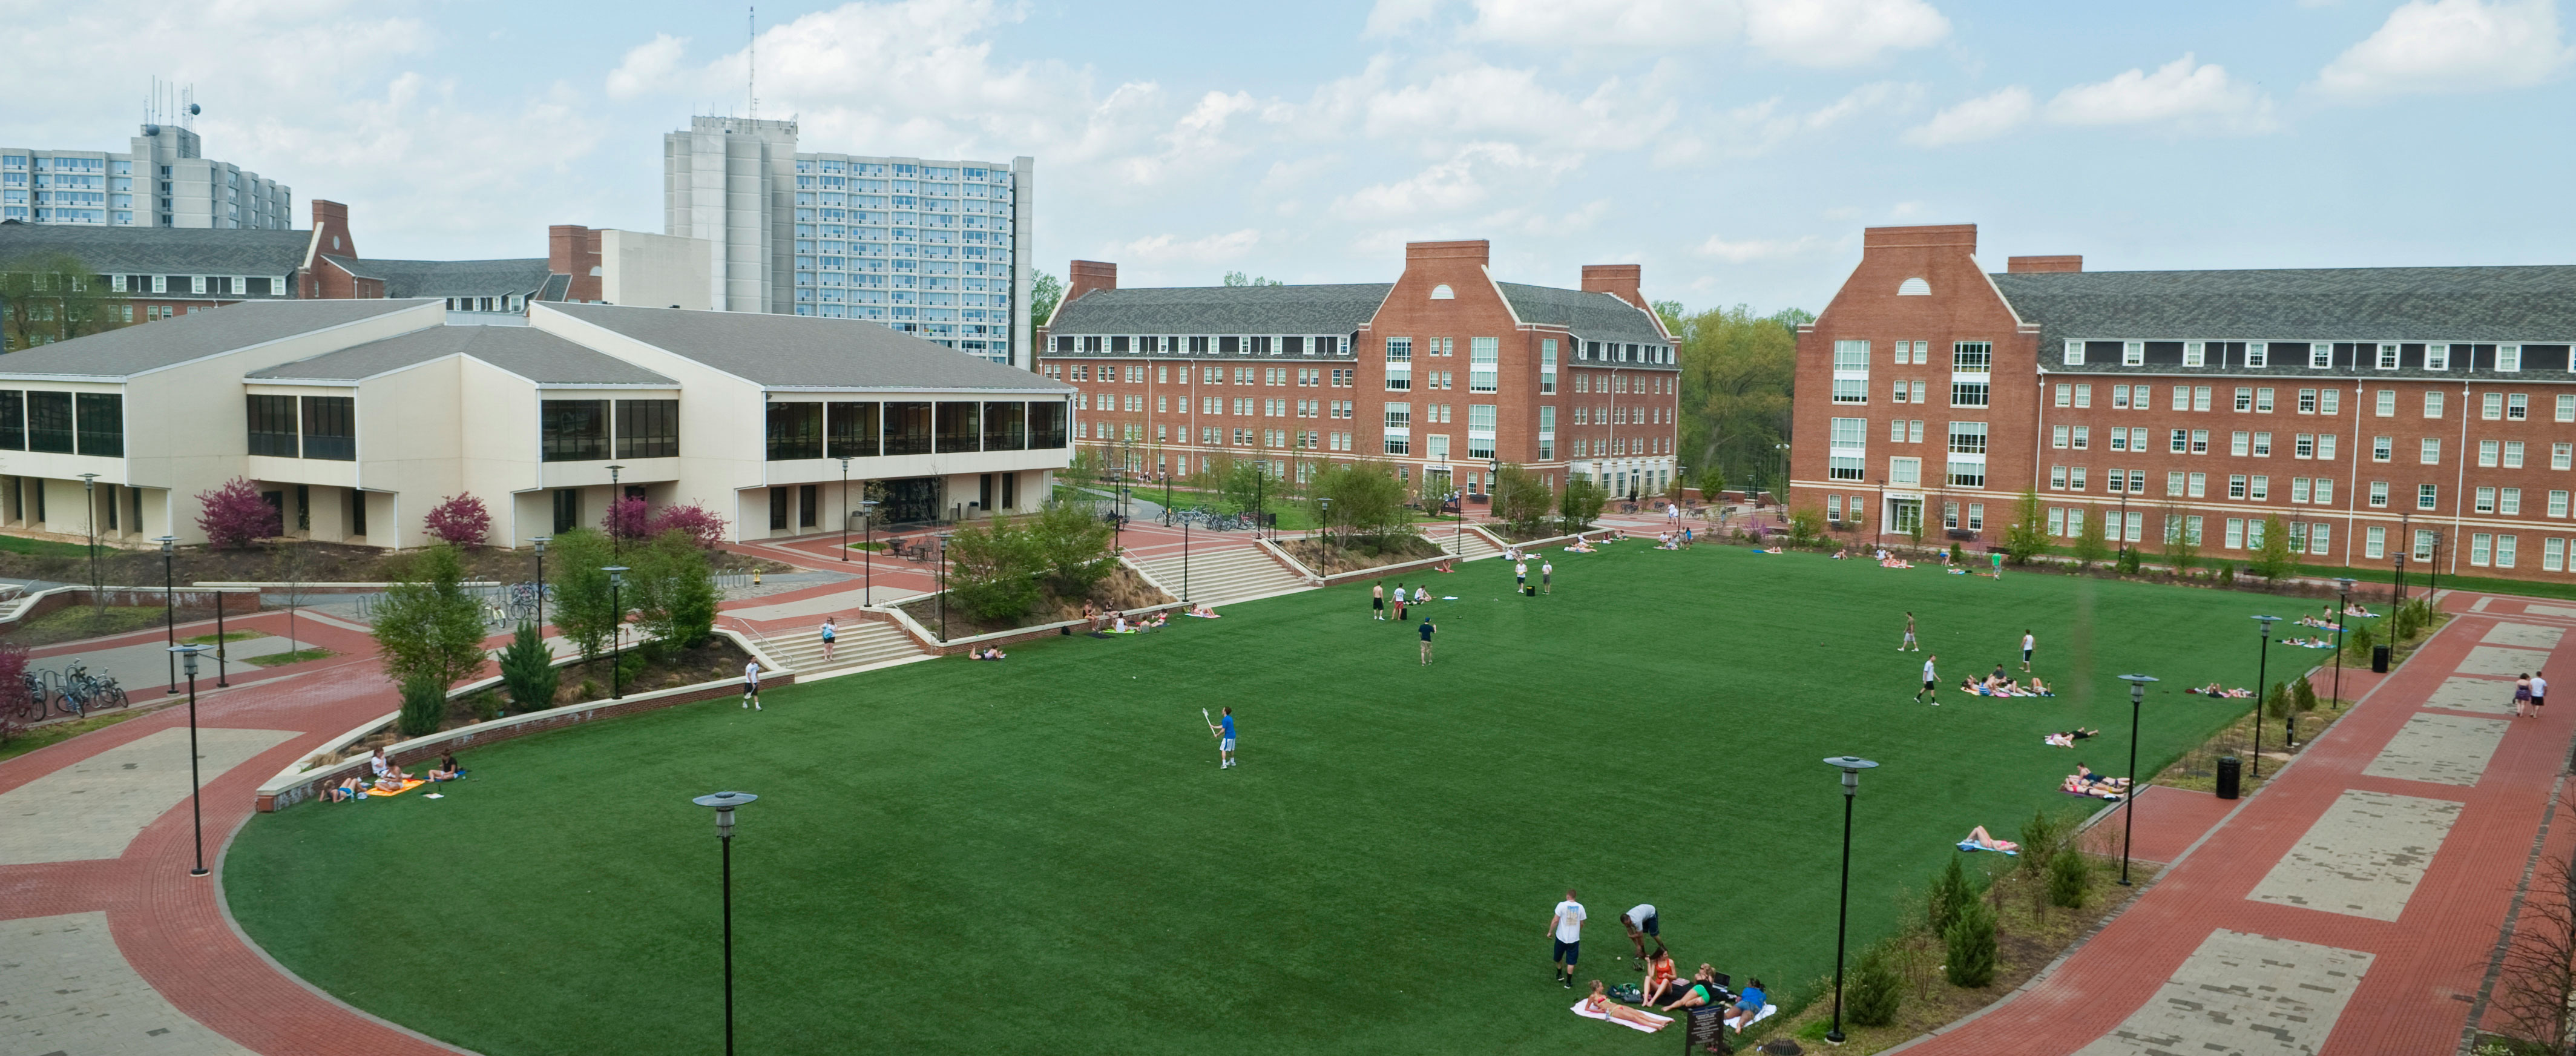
573	430
49	422
960	426
102	424
1972	357
648	428
272	426
1046	425
907	428
13	420
1847	450
1006	426
330	427
1484	363
795	431
852	430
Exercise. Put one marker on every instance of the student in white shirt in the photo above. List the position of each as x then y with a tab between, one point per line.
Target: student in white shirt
751	685
1566	928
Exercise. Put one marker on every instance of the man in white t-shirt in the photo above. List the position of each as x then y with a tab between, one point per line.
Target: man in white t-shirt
751	684
1566	929
2539	692
1641	922
1931	682
2026	643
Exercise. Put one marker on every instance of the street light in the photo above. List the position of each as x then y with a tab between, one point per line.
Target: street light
2124	529
1185	559
89	498
2343	615
867	551
616	495
616	579
541	542
2405	549
1851	766
187	655
943	588
845	507
1878	531
2129	802
170	610
725	802
2262	691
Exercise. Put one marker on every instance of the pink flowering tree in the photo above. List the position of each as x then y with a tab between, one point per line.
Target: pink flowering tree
461	520
700	522
233	515
627	519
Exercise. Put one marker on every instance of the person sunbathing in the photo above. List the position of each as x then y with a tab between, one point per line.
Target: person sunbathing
389	784
2075	787
1661	979
2086	775
348	789
2039	688
2356	610
2068	738
1204	611
1748	1005
987	653
1442	567
1987	840
1701	990
1599	1004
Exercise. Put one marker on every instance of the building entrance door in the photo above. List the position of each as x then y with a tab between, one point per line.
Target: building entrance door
1904	516
914	500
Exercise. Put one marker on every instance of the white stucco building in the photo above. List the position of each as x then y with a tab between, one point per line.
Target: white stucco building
354	418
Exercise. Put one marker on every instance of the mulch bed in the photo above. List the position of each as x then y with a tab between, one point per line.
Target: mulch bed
1360	555
1123	589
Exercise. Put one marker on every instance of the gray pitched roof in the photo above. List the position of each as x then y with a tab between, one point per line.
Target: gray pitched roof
160	250
131	350
525	351
791	351
1591	316
2521	303
1189	310
450	278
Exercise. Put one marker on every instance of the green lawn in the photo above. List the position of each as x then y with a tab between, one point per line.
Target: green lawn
1042	856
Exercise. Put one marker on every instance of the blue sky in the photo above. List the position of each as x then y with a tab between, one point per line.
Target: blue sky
1735	148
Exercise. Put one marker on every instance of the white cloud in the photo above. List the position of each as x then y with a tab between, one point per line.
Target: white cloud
1465	180
1655	24
1983	117
1390	17
1761	127
2451	46
1757	249
1840	33
1169	249
646	65
1482	101
2180	91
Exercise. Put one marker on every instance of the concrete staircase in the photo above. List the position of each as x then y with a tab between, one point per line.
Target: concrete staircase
1468	547
1233	574
861	642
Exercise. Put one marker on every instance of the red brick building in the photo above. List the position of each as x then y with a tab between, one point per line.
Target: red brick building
2372	410
1445	372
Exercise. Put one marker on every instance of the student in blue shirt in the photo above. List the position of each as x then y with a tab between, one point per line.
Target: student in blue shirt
1224	731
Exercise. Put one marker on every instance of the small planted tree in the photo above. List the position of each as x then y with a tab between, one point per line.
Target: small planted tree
672	590
2277	702
424	705
993	570
1712	485
703	525
583	608
1951	893
429	627
2028	536
2091	547
528	669
2358	641
1521	499
627	519
2303	695
1071	549
2276	561
1806	527
13	690
458	520
1580	504
2070	879
2181	550
1877	991
1971	945
233	515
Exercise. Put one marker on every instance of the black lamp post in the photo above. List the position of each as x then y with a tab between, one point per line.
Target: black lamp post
540	543
221	679
170	609
845	507
1851	766
616	494
617	652
725	802
1878	531
2129	802
2405	549
943	588
2262	691
867	551
89	498
2124	527
2343	615
187	655
1185	560
2433	578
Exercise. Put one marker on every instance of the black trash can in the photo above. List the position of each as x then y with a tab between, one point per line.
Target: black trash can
2231	775
2379	659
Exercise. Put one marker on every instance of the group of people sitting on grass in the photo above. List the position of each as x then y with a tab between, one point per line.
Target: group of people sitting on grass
2084	782
2320	622
1680	540
1998	684
1581	546
1665	991
381	775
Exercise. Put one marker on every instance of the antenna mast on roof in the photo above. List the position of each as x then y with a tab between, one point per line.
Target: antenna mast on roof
751	59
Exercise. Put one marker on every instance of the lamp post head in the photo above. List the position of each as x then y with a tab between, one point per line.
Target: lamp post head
1851	766
2345	582
188	657
724	802
541	542
169	544
616	574
845	463
2137	686
612	472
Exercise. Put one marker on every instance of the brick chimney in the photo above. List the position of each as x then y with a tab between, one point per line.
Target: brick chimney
1084	276
1622	281
2019	265
1477	251
572	249
331	238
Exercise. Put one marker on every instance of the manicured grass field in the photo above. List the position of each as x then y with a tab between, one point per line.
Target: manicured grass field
1042	855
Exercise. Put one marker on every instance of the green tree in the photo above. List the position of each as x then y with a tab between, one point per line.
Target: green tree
2027	537
993	570
528	668
2359	640
1580	504
1248	487
424	706
1806	527
49	297
1072	549
1083	471
2181	550
2070	879
1366	499
1712	485
428	627
1877	992
1045	292
1971	942
1237	278
1521	499
2276	560
1951	893
672	590
583	610
2091	546
1737	372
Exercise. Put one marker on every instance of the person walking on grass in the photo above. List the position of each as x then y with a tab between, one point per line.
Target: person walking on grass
1931	681
751	684
1426	641
1546	573
1909	642
1566	929
831	634
1399	603
1223	730
1377	600
1520	576
2026	643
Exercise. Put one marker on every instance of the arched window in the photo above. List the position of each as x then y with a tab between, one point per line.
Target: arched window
1914	288
1442	292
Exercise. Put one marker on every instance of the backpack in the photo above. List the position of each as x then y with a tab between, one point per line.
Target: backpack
1628	992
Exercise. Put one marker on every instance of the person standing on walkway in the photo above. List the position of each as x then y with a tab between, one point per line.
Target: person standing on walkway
1566	929
1931	680
2539	692
2026	643
2522	695
1377	600
831	634
1426	641
1546	573
1909	642
751	684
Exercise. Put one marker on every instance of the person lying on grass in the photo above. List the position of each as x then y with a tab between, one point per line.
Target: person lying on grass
2212	690
1980	837
1701	990
2068	738
1748	1005
1599	1004
1204	611
987	653
348	789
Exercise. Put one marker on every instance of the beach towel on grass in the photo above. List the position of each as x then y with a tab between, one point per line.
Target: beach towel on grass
407	786
1971	845
1767	1009
1660	1021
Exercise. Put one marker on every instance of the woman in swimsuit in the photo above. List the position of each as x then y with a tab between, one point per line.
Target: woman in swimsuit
1600	1004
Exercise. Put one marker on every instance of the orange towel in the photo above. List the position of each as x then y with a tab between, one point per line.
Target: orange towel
407	786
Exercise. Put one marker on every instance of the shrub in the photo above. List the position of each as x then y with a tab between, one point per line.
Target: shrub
233	515
459	520
2070	879
13	689
627	519
424	706
2091	546
428	627
1950	894
2277	702
673	591
1876	991
702	524
1712	485
2041	839
2227	575
1958	554
1580	504
993	570
2303	695
1806	527
583	610
527	667
1521	498
2358	642
2028	536
1072	549
2276	560
1971	943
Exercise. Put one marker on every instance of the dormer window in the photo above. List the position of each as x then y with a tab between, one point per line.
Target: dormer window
1914	288
1442	292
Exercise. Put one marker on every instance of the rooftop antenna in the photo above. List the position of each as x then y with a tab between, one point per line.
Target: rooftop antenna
188	108
751	59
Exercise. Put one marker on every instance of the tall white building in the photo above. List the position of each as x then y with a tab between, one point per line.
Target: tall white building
931	248
163	181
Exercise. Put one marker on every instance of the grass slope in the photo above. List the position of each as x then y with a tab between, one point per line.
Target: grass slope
1042	856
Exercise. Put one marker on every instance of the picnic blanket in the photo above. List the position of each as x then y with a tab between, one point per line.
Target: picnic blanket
1767	1009
1971	845
407	786
1660	1021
